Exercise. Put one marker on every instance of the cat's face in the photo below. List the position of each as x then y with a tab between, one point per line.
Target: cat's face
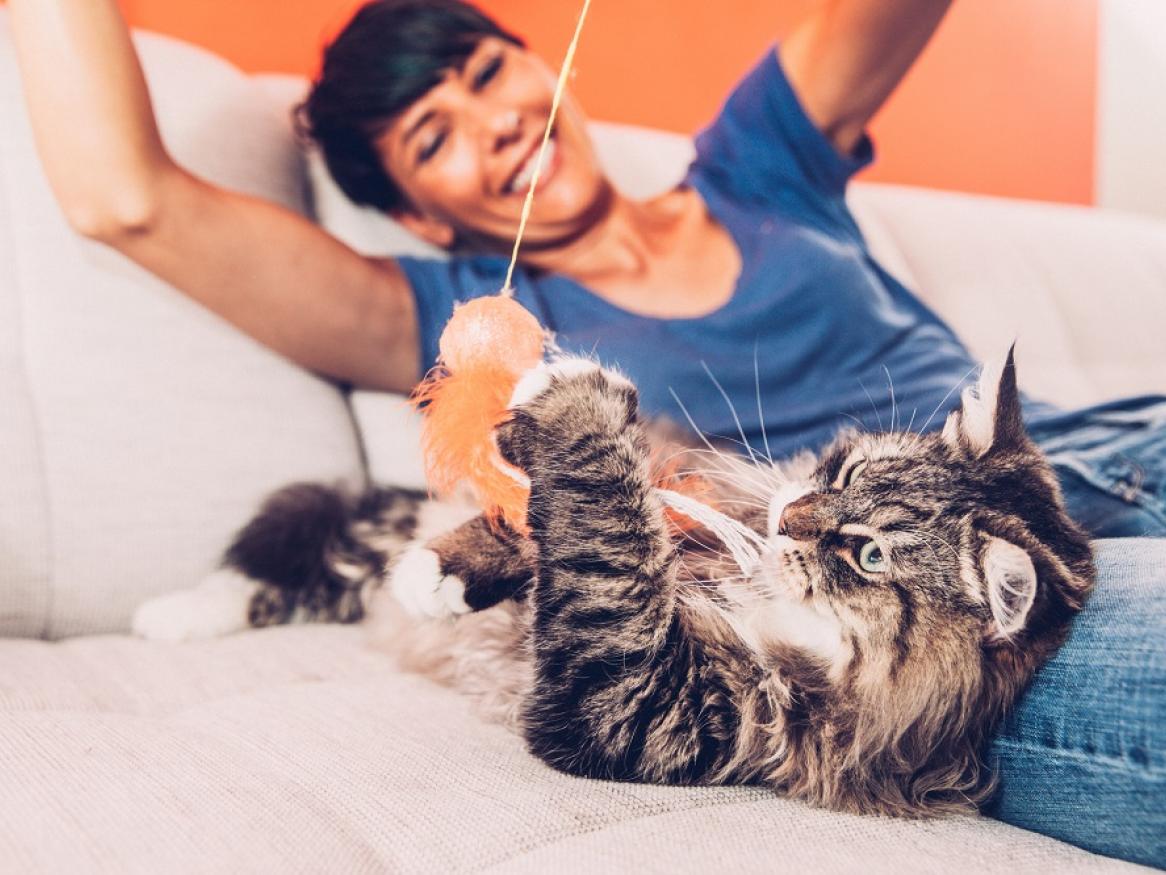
937	562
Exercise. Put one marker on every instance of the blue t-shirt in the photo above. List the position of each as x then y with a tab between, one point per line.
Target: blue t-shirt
815	332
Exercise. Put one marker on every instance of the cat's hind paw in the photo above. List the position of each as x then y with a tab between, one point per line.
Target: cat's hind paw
422	589
218	606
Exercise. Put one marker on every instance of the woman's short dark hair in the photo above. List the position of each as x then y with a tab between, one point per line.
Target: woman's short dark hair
389	55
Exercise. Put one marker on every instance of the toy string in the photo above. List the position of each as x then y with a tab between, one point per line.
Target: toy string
564	72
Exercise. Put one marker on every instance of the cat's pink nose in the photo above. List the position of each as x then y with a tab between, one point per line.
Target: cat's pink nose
802	520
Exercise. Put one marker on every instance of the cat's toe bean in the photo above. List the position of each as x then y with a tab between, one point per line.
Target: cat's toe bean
217	606
418	584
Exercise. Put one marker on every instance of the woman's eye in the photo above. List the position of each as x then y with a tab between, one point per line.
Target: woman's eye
854	473
431	148
487	72
871	558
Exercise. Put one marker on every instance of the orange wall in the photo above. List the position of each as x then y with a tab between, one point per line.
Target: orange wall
1002	102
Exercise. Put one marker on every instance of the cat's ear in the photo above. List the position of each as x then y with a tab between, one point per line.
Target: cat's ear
1010	586
989	416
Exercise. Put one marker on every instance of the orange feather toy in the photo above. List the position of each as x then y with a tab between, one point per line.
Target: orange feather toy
485	348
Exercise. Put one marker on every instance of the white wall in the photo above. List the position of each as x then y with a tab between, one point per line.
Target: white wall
1131	106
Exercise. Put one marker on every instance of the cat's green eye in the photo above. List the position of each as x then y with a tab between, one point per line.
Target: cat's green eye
854	473
871	558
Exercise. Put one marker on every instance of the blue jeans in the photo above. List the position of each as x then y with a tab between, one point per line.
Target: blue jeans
1083	756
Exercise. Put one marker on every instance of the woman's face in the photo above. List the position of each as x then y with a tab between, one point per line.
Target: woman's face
464	152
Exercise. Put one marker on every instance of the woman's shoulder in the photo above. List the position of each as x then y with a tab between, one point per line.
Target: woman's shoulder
762	144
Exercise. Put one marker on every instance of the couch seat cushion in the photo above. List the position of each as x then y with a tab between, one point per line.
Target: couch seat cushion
299	749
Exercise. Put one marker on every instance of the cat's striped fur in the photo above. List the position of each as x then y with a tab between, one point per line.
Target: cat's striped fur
912	586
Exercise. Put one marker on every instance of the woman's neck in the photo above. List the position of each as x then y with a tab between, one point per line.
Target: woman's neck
621	243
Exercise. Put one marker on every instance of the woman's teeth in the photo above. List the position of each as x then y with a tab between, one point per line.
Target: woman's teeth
521	181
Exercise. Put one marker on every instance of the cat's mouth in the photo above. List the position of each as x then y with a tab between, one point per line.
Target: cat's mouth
785	570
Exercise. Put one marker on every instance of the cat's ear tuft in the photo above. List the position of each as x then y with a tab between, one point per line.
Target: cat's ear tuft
1010	583
990	415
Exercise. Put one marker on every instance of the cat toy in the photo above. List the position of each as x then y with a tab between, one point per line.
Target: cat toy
485	348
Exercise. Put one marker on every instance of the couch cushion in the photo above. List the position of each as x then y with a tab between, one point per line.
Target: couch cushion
299	749
24	532
139	431
1082	291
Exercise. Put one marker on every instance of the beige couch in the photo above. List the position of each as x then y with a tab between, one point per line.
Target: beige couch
138	431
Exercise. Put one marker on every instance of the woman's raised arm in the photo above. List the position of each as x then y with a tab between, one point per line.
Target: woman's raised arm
846	59
270	272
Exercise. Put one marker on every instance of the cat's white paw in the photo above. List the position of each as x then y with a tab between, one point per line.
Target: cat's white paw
419	586
217	606
538	379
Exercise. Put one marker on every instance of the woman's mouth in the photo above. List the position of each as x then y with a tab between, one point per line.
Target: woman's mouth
520	182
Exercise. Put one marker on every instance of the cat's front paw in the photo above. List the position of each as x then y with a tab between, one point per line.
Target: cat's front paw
423	589
564	400
217	606
539	379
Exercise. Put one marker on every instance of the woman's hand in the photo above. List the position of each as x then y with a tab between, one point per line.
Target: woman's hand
847	59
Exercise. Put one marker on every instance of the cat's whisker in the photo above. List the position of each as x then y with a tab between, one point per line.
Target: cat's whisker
873	406
894	403
696	429
729	477
760	412
743	502
950	392
858	422
732	410
748	490
734	474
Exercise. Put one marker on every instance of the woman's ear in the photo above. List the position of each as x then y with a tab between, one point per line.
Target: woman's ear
428	228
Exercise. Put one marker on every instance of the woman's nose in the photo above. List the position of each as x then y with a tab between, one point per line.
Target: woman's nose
504	128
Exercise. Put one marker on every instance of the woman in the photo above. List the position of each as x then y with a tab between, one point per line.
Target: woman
751	279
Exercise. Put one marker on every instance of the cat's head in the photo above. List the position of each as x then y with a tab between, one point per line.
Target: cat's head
937	571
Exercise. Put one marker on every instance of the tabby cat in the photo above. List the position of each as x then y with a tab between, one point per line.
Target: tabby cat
911	586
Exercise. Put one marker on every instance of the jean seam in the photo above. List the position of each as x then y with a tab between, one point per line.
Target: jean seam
1136	497
1148	769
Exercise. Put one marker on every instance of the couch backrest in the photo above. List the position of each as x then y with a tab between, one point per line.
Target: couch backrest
137	430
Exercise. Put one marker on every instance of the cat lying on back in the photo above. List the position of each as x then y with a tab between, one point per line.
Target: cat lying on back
911	587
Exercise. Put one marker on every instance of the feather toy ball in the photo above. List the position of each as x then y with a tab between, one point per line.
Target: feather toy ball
485	348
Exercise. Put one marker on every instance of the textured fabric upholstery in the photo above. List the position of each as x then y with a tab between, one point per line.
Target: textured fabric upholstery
299	749
137	430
